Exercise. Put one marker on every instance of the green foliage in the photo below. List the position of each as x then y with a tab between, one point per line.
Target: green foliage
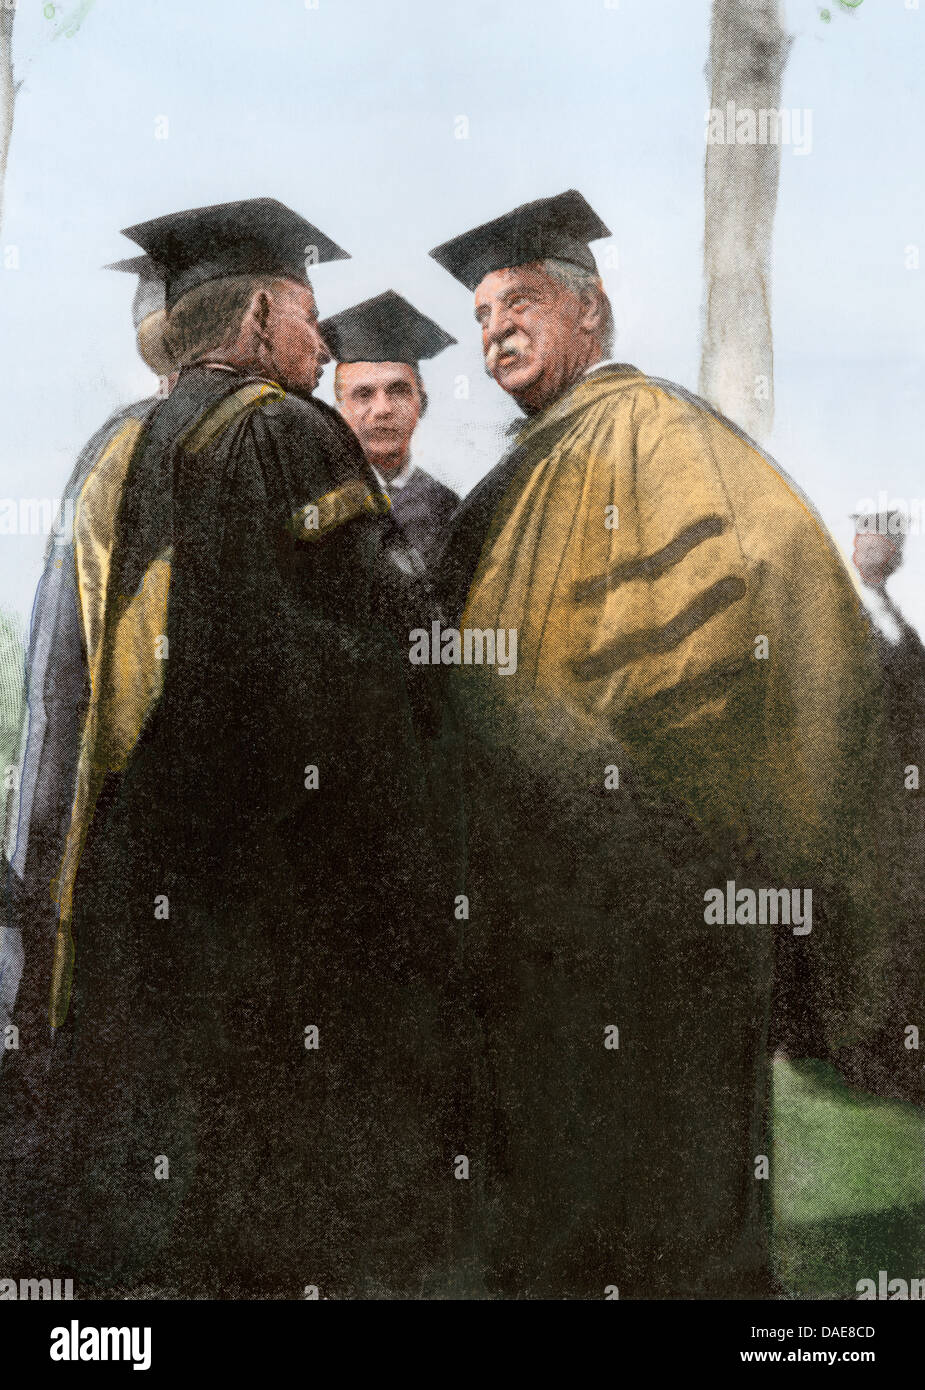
69	20
849	5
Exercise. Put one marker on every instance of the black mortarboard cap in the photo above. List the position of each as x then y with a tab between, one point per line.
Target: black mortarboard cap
259	236
384	329
559	227
150	292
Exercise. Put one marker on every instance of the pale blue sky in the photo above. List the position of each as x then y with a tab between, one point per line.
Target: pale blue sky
347	112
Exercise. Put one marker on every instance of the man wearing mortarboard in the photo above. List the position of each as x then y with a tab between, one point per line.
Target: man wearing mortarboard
57	678
233	1096
694	714
378	346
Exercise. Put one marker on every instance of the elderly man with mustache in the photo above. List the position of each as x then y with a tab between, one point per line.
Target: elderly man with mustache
697	705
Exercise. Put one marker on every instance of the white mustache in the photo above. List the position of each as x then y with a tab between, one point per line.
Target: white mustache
514	343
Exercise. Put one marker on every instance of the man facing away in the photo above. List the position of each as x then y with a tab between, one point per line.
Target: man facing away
379	346
694	716
235	1094
58	683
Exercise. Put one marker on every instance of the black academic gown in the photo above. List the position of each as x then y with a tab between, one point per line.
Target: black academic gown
885	1064
190	1127
423	508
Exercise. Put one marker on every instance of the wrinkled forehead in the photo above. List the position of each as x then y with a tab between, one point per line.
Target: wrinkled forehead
871	540
356	375
499	285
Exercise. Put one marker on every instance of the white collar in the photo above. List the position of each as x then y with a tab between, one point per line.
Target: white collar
598	366
396	480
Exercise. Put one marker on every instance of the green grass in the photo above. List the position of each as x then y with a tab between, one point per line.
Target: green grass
849	1191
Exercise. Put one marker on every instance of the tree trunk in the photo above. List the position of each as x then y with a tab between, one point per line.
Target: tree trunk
7	91
748	53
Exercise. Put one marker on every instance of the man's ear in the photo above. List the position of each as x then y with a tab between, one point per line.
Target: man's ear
258	311
150	336
592	309
255	326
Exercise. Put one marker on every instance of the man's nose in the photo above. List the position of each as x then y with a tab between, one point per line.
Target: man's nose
382	404
500	322
324	352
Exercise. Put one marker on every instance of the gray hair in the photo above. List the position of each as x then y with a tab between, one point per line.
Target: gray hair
209	317
580	282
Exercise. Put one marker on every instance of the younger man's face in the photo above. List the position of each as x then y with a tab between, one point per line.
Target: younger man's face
382	404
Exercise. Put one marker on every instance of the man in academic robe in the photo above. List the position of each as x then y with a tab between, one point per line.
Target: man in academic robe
886	1063
12	713
879	543
57	679
695	707
236	1095
379	346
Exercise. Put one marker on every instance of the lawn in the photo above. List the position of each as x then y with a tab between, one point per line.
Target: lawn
849	1192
